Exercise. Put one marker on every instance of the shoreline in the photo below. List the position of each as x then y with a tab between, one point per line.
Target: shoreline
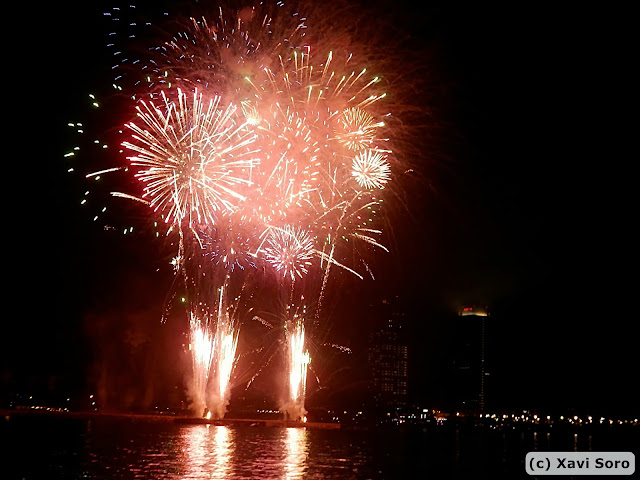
180	419
456	424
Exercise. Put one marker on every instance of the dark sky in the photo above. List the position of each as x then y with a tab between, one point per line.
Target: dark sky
518	205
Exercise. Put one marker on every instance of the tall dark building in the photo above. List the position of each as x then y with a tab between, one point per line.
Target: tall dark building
388	358
469	359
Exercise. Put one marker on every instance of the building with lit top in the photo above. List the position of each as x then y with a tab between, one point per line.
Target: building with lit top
469	359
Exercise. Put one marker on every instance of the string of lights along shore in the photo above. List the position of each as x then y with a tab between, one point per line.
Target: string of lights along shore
260	142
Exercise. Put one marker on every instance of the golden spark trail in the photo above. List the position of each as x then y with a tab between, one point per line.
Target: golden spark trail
201	346
299	361
226	342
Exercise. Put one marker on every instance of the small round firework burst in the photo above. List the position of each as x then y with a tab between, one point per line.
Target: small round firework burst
229	246
356	129
370	169
289	250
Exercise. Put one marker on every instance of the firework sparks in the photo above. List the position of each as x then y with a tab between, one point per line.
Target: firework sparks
305	140
299	361
202	349
224	357
356	129
290	251
370	169
191	157
226	342
261	146
229	244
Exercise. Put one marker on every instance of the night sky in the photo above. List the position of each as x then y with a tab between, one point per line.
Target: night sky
518	205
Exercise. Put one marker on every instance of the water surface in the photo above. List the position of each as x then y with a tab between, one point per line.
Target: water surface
110	448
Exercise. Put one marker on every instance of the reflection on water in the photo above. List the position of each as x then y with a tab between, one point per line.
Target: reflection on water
220	452
296	447
206	451
107	448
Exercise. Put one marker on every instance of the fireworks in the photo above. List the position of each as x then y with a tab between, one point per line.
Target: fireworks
226	342
202	351
289	251
370	169
356	129
190	157
265	147
299	360
228	245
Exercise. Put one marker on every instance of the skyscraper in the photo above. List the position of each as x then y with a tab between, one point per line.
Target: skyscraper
388	358
469	359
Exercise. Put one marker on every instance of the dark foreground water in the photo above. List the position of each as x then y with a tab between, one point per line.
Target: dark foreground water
108	448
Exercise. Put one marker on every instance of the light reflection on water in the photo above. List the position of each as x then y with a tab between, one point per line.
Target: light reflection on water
295	444
108	448
221	452
206	451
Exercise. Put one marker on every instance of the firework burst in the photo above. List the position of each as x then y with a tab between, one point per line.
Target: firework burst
191	156
229	245
289	251
264	142
370	169
356	129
